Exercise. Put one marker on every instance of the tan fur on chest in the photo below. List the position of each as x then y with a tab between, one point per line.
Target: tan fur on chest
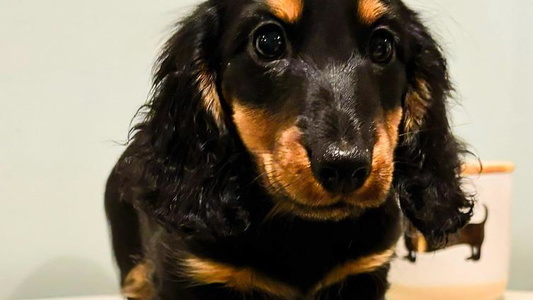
247	280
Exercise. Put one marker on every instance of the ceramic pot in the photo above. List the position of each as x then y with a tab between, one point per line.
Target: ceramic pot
476	264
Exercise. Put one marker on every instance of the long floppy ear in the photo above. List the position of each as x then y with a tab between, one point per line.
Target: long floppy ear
184	153
428	156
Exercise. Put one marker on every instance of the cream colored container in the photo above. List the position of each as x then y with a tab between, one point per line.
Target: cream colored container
448	274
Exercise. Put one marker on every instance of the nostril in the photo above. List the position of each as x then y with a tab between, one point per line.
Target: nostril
360	174
342	176
340	170
357	179
329	176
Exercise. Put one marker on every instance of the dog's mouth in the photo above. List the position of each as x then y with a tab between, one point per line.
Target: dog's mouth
288	177
286	172
337	211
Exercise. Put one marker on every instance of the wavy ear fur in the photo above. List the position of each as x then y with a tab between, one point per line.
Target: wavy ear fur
428	156
181	162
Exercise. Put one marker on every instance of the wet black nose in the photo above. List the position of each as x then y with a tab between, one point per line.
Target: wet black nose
342	171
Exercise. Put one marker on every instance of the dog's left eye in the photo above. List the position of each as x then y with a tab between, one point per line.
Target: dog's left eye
269	41
381	47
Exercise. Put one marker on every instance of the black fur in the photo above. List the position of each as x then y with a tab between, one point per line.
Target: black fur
427	173
187	184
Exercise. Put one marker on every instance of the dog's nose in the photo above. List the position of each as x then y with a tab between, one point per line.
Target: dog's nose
342	171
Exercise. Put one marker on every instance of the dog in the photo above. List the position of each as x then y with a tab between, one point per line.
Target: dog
472	235
283	143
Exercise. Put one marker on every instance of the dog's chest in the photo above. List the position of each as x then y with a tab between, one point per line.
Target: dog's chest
297	258
302	266
303	255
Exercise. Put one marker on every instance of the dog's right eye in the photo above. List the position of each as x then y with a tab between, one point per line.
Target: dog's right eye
269	42
381	46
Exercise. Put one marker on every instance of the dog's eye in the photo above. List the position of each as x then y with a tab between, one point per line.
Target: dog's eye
269	41
381	47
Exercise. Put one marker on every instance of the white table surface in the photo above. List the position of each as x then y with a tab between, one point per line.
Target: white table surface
519	296
508	296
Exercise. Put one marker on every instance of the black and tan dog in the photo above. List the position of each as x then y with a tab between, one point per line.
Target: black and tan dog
283	140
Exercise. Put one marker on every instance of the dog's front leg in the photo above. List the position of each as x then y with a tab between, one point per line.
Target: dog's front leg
367	286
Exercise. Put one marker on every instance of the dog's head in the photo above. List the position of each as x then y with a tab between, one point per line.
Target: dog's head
339	104
315	90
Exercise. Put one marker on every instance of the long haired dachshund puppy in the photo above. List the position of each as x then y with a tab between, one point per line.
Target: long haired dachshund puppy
282	143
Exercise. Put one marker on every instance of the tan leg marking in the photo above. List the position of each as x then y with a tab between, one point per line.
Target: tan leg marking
421	243
138	284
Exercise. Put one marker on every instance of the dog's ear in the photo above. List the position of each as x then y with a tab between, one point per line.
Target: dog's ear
428	156
185	82
187	179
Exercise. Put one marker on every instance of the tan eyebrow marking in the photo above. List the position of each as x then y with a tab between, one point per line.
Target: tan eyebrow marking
370	11
289	11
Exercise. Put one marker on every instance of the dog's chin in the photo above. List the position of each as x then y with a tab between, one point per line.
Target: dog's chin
339	211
